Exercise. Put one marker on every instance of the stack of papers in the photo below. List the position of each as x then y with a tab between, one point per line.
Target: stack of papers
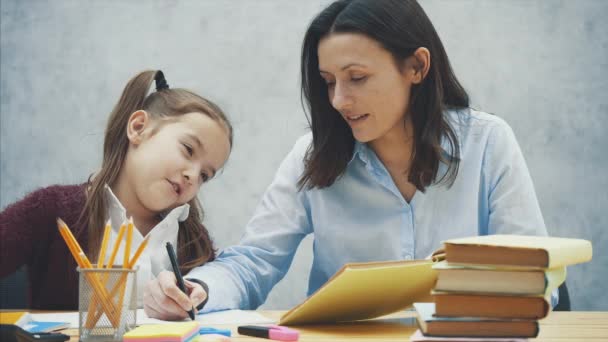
232	317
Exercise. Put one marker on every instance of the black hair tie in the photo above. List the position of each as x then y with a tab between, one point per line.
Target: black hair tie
161	82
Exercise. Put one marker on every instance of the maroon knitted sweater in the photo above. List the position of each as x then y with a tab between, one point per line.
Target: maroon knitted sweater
29	236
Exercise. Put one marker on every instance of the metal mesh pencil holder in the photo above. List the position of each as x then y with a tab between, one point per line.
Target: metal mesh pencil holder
107	303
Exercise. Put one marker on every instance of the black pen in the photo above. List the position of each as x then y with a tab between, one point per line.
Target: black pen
178	275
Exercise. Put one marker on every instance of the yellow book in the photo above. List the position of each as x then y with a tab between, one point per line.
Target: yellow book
365	290
172	332
518	250
19	318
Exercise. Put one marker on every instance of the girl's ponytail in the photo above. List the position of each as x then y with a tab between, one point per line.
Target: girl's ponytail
115	148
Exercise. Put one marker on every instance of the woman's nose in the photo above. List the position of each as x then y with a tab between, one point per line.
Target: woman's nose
341	100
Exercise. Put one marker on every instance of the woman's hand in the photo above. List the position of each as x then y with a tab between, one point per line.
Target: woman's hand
164	300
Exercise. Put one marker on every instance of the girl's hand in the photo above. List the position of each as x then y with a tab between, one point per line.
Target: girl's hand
164	300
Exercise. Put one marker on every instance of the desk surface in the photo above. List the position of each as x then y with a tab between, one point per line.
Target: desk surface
558	326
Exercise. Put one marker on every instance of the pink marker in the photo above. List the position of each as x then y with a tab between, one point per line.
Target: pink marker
272	332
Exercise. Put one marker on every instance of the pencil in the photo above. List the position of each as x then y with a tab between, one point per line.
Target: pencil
138	252
100	291
104	277
94	318
121	233
125	263
104	245
123	278
83	263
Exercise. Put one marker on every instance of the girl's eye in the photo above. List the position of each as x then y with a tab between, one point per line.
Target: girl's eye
188	149
358	79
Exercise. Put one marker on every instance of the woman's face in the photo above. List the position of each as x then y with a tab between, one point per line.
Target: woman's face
365	85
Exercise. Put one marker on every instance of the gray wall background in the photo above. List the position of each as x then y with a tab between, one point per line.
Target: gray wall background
541	65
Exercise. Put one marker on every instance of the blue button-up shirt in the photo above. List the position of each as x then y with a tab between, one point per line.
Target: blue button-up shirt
363	216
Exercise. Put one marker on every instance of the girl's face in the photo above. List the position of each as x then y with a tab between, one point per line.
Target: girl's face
365	85
168	161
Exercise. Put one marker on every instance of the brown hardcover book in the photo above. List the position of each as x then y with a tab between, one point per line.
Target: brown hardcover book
477	305
500	280
518	250
433	325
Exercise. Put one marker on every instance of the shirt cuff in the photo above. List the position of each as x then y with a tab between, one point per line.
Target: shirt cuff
205	287
554	297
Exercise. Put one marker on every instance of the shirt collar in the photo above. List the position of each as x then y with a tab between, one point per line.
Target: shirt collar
118	214
362	150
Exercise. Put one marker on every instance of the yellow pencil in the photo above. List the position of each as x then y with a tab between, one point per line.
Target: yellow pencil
83	262
104	245
118	285
132	263
138	252
92	319
100	262
63	226
71	247
100	291
121	233
125	262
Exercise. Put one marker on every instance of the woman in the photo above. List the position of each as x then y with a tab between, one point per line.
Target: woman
396	163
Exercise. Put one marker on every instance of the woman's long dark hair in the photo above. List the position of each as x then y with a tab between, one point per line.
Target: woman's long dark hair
401	27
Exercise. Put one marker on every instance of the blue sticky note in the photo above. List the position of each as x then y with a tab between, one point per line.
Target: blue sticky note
209	330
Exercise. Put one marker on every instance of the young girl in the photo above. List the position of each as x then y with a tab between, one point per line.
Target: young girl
396	163
159	148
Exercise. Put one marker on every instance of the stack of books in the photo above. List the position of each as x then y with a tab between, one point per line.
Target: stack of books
498	286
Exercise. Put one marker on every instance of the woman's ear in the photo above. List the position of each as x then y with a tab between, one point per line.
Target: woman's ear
420	64
137	124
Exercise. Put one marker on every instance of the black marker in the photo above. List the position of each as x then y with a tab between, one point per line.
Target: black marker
271	332
178	275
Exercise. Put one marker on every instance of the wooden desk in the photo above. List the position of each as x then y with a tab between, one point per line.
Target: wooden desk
559	326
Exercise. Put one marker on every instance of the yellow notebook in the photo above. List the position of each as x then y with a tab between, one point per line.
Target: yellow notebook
19	318
365	290
518	250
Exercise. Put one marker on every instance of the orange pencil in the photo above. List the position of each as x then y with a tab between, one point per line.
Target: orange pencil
104	245
121	233
125	262
101	293
92	319
71	247
100	262
83	262
138	252
132	263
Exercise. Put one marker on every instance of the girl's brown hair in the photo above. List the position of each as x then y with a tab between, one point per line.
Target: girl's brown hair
194	245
